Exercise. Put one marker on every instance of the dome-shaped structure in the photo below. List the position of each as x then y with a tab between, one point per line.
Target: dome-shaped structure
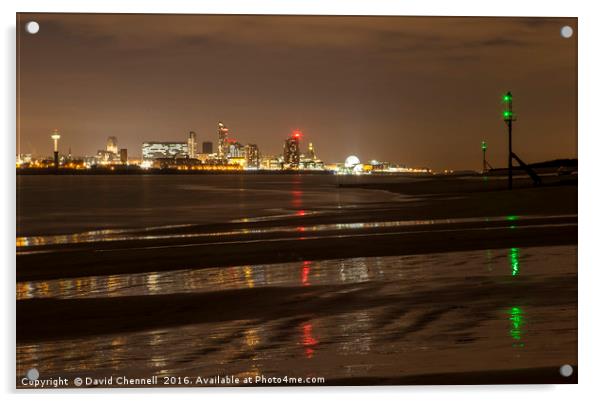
352	161
358	169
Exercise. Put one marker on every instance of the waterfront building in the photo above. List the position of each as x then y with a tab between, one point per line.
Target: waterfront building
158	150
207	147
222	141
112	145
192	151
252	156
292	150
235	149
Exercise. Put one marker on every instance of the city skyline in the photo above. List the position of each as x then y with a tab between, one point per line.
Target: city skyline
403	89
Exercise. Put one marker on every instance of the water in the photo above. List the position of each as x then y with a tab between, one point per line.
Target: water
71	204
347	318
338	318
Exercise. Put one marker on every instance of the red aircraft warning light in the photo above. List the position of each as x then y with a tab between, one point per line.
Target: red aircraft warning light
297	133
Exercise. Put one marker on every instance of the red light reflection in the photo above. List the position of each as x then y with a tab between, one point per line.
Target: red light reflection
308	340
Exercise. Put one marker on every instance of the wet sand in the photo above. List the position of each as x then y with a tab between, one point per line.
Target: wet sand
437	287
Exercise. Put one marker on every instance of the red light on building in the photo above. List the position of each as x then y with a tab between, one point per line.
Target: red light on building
297	133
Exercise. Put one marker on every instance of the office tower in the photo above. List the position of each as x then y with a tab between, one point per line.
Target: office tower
252	155
222	141
192	144
207	147
123	155
291	150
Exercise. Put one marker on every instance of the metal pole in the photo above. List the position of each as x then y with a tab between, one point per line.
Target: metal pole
508	118
510	151
484	160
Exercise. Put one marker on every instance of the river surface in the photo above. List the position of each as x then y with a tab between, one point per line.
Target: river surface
70	204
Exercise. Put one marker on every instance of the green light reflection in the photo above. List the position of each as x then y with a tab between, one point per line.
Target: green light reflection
514	260
516	316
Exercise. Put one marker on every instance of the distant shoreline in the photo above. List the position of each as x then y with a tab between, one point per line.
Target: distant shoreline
138	171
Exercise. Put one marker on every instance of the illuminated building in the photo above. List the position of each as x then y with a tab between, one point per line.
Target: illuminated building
352	165
123	156
104	157
238	160
271	163
110	155
235	149
192	144
311	161
207	147
24	158
252	156
291	150
112	145
174	163
222	141
311	153
158	150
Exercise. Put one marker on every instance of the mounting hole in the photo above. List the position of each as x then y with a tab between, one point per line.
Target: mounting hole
32	27
33	374
566	370
566	31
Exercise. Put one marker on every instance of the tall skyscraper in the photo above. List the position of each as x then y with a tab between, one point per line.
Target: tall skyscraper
292	150
123	156
192	144
112	145
207	147
222	141
252	155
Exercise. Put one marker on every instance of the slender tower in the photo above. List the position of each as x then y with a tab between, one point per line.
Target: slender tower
484	148
509	118
56	137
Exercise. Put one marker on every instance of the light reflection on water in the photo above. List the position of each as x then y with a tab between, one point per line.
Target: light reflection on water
146	234
388	339
302	273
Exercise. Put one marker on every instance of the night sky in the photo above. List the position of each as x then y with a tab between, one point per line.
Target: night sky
421	91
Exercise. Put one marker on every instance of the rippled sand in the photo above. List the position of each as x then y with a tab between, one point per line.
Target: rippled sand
377	317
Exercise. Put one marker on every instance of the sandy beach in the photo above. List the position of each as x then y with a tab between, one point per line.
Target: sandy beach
451	281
